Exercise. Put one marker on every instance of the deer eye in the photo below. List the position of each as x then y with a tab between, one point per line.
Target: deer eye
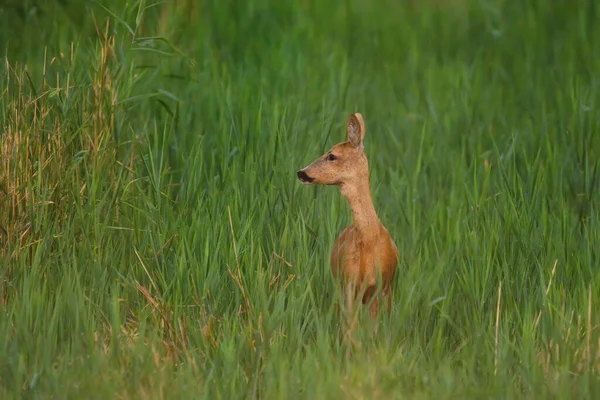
331	157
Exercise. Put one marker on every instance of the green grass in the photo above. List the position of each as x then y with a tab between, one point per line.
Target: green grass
156	243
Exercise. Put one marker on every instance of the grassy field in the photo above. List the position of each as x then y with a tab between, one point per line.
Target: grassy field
155	242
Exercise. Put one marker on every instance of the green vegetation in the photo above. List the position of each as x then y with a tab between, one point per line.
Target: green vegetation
156	243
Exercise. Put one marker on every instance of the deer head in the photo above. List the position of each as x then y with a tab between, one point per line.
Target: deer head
345	164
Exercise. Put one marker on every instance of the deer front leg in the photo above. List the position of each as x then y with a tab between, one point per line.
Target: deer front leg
350	294
374	307
351	317
388	298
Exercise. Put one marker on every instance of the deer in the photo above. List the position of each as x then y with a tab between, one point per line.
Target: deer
365	249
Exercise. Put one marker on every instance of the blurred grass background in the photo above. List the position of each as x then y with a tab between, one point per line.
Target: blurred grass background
156	243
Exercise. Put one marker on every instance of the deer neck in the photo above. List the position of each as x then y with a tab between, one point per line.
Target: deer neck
364	216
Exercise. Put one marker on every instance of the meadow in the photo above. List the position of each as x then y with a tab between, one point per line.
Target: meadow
156	243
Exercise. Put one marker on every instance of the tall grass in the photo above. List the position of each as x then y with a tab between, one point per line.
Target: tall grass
155	242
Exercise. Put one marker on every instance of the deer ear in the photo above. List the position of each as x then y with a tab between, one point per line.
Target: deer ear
356	129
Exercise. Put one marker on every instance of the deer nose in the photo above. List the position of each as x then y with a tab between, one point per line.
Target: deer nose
304	178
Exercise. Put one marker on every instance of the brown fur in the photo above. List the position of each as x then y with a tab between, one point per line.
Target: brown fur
364	249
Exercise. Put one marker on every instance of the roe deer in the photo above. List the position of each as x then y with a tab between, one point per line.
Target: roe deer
365	248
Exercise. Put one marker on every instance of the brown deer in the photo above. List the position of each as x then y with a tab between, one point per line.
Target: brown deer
365	248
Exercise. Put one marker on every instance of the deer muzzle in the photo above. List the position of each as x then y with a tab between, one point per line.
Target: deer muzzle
304	178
